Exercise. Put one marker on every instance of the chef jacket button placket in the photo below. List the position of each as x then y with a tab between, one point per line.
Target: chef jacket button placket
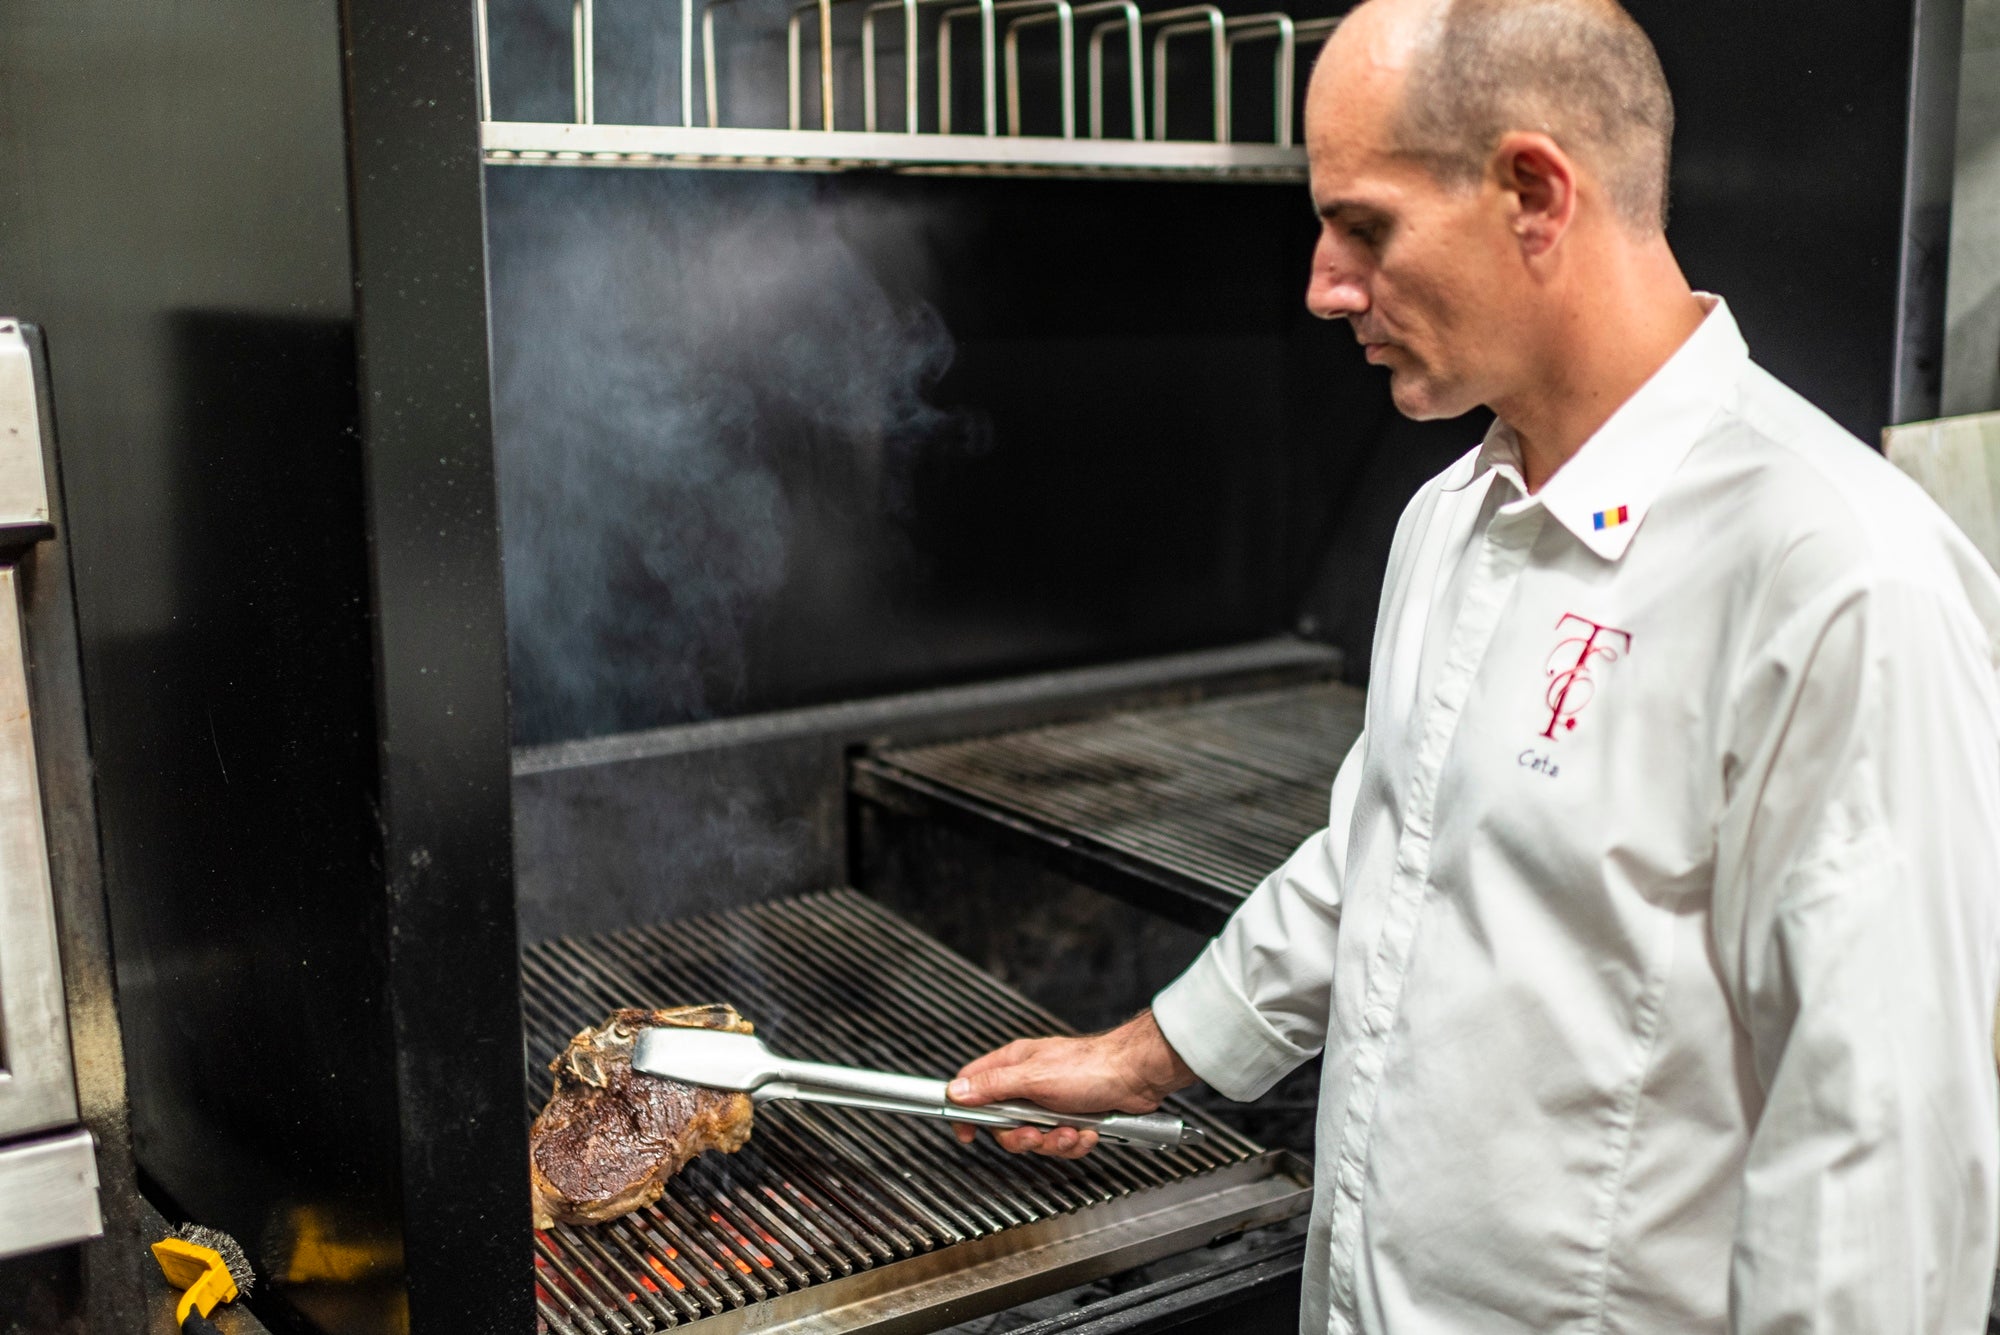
1370	1063
1346	1225
1500	562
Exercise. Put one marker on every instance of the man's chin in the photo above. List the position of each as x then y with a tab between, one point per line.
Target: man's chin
1418	399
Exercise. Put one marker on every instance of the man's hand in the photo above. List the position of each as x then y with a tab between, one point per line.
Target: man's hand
1127	1069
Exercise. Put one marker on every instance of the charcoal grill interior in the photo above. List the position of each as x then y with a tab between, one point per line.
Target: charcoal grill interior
853	1219
1182	809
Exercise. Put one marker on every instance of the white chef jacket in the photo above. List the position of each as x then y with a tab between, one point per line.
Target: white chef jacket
1652	941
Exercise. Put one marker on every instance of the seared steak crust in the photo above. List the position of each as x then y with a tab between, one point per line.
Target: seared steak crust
610	1138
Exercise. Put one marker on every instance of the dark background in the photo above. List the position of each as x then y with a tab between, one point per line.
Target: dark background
772	440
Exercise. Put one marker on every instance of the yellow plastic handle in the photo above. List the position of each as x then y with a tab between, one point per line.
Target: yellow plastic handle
198	1270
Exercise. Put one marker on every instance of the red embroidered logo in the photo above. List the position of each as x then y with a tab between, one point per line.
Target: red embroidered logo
1570	682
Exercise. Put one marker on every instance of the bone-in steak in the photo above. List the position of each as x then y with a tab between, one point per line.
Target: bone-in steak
610	1138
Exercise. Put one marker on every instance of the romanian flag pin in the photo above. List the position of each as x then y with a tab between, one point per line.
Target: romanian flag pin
1611	518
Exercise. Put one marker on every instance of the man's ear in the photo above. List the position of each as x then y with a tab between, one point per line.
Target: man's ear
1541	178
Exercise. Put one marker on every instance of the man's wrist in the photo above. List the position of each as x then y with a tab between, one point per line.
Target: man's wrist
1152	1064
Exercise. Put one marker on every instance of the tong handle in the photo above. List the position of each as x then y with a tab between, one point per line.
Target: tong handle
888	1092
870	1084
1157	1131
784	1089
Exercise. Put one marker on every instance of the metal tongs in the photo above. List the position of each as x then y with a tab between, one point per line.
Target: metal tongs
723	1060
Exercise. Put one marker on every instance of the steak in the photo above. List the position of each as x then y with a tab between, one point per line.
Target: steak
610	1138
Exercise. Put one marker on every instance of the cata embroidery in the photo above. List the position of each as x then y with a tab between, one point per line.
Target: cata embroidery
1571	685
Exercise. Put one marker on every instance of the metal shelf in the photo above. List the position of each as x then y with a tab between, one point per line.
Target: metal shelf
573	145
1144	151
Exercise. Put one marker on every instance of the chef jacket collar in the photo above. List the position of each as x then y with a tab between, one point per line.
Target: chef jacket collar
1602	493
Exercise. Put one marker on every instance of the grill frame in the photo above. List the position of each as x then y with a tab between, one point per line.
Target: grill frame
858	1221
1002	1270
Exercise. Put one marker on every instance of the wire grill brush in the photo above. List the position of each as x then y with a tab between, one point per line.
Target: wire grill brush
209	1267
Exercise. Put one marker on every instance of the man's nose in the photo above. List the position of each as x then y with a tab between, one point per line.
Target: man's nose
1334	291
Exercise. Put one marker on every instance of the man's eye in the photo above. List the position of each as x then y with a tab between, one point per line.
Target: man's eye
1364	233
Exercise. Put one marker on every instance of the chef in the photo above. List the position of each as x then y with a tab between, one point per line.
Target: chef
1653	941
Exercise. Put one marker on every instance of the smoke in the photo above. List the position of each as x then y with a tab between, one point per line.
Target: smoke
690	368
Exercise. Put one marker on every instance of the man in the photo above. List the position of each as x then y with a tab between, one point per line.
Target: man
1652	941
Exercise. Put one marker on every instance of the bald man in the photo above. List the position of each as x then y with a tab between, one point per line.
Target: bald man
1652	942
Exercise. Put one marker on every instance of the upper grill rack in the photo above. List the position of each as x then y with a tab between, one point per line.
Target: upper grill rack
822	1197
1182	809
1117	40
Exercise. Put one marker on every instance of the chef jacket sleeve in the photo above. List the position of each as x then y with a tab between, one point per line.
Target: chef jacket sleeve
1858	864
1254	1004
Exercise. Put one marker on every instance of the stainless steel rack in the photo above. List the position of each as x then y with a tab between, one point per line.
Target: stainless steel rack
1111	32
1181	809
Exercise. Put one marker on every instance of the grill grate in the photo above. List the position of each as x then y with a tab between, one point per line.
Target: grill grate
1203	799
819	1194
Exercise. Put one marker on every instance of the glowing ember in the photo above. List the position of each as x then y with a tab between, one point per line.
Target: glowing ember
745	1243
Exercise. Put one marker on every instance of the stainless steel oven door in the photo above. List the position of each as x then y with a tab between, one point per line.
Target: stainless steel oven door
48	1185
37	1088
